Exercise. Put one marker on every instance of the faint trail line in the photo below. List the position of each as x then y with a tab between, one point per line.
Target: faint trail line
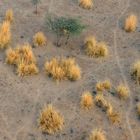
122	71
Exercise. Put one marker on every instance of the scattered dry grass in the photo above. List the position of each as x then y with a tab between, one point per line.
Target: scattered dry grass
5	35
99	86
39	39
138	109
9	15
23	58
94	48
105	85
122	91
135	71
50	120
86	4
64	68
97	134
86	100
131	23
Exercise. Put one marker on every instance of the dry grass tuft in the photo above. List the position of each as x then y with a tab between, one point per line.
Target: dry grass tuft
99	86
94	48
23	58
50	120
136	71
5	34
9	15
97	134
131	23
64	68
138	109
86	100
39	39
86	4
122	91
105	85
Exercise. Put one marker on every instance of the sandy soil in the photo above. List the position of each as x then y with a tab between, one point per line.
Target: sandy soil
21	99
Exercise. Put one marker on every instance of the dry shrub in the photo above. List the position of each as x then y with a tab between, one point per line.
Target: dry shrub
138	109
39	39
131	23
86	100
50	120
5	34
105	85
94	48
9	15
64	68
97	134
99	86
23	58
122	91
135	71
86	4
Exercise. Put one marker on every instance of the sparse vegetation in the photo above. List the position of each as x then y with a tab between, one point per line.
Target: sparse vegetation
23	58
39	39
135	71
131	23
5	34
138	109
122	91
36	2
94	48
64	27
9	15
105	85
86	4
60	69
97	134
86	100
50	120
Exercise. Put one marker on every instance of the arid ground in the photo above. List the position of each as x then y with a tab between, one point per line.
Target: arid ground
22	99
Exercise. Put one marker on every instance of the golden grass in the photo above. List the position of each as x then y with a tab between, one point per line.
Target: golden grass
64	68
122	91
5	35
50	120
86	100
105	85
99	86
131	23
94	48
39	39
138	109
86	4
9	15
135	71
23	58
97	134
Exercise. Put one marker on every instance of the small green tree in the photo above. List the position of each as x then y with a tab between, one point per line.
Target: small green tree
64	27
36	2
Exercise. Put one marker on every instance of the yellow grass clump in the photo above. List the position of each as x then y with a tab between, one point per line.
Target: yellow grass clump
86	100
23	58
131	23
94	48
86	4
9	15
39	39
50	120
105	85
135	71
97	134
99	86
5	34
122	91
64	68
138	109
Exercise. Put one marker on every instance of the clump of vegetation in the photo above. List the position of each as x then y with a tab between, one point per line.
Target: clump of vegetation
135	72
105	85
86	100
64	27
93	48
131	23
86	4
50	120
39	39
97	134
36	2
5	34
138	109
122	91
23	58
9	15
64	68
